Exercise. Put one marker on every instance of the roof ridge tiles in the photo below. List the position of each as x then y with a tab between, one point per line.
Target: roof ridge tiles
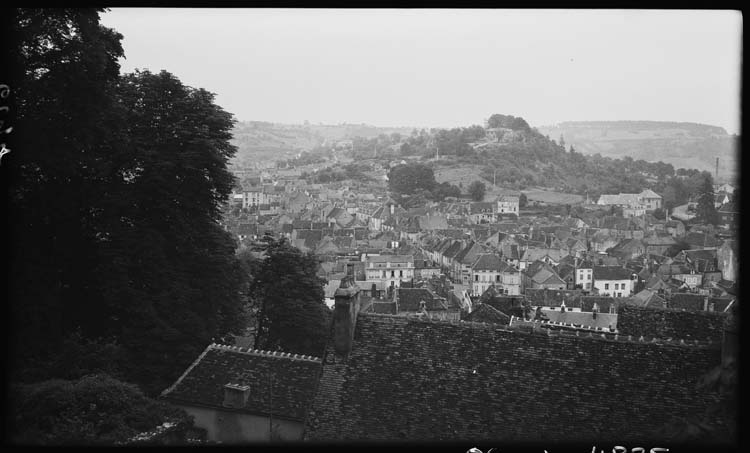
600	333
262	353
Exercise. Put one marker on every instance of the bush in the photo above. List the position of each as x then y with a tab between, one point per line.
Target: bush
96	409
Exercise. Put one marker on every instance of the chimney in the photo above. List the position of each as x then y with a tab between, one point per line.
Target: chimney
235	395
346	309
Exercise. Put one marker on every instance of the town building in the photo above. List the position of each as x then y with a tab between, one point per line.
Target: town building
392	270
615	281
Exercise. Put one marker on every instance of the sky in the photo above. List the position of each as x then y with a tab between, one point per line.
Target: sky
446	68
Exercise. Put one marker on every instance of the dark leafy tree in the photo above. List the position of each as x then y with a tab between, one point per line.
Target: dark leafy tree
63	66
293	317
706	211
445	190
522	200
408	179
92	410
117	203
477	190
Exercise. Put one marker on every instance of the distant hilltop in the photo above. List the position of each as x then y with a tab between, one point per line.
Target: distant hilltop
694	129
687	145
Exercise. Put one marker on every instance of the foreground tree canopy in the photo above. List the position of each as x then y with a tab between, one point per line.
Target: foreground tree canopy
115	200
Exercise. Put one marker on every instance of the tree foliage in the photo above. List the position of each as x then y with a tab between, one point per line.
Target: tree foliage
706	211
92	410
292	317
477	190
507	121
408	179
116	201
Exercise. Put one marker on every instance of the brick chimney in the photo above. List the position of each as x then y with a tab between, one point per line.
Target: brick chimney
346	309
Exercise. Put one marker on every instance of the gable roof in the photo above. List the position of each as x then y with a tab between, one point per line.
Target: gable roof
489	262
489	314
290	378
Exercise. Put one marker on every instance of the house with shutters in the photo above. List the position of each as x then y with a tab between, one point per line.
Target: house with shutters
508	204
390	270
241	395
462	261
615	281
482	212
489	270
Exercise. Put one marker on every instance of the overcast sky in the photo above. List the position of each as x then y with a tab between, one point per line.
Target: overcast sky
446	68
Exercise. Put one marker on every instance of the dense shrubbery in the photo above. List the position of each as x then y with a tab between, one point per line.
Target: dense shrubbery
95	409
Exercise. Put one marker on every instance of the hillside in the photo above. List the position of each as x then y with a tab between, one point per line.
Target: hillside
260	143
686	145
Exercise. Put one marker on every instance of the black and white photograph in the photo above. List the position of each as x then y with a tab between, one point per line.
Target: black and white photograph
476	228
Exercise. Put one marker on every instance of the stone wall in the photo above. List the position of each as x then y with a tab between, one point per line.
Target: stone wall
666	323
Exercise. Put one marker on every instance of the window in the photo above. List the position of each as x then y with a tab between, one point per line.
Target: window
400	273
476	277
588	277
497	278
617	286
606	286
393	273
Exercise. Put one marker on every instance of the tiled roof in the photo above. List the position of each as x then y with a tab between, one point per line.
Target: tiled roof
603	303
687	301
487	313
578	318
289	378
552	297
425	380
611	273
409	299
701	240
489	262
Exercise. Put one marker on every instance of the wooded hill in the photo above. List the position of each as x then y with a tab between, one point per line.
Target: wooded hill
261	143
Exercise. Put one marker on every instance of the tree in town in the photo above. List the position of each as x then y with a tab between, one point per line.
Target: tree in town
522	200
706	211
477	190
445	190
293	316
408	179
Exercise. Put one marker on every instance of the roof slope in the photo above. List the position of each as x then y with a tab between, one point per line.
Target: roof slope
487	313
419	380
290	378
